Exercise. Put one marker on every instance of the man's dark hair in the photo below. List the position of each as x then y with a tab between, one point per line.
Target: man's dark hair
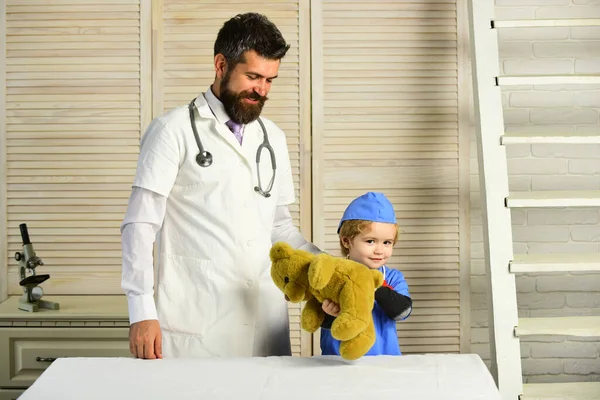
250	31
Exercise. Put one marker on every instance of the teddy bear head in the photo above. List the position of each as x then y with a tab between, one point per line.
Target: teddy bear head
289	271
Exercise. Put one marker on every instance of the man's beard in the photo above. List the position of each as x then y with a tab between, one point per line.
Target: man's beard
235	106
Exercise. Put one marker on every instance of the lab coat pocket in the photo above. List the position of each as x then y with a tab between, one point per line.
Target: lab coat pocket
186	296
192	176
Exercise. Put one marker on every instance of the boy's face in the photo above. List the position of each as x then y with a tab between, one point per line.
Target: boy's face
374	247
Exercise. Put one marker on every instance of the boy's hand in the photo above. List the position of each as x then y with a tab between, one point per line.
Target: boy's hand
331	308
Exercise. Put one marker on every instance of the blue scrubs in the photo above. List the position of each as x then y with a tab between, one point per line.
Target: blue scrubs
386	342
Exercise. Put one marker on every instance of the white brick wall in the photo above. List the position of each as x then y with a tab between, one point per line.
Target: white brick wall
557	108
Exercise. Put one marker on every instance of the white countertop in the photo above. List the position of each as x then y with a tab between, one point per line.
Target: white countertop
423	377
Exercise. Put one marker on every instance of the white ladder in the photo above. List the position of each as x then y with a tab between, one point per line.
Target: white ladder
501	264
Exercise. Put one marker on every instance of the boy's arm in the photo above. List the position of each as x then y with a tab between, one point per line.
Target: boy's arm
326	324
395	305
393	297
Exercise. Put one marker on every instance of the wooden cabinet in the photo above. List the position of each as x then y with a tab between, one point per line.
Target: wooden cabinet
10	394
31	350
84	326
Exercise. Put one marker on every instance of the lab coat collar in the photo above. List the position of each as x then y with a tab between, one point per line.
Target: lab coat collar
216	106
210	107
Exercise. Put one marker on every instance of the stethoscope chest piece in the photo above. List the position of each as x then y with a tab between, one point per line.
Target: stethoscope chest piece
204	159
258	190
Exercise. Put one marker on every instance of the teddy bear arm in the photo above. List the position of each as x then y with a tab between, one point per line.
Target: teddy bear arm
312	315
377	278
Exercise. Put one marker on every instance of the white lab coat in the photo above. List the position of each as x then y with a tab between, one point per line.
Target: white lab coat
214	293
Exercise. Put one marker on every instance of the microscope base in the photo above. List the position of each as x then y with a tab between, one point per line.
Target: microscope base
34	306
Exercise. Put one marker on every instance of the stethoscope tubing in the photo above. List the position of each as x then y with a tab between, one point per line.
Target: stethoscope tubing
205	158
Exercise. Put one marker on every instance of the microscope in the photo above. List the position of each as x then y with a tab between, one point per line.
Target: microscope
32	293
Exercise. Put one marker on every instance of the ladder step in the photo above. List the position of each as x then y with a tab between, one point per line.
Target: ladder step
561	391
534	23
569	326
555	262
551	138
550	198
548	80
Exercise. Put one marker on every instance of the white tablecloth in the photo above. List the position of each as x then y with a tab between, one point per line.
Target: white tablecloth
423	377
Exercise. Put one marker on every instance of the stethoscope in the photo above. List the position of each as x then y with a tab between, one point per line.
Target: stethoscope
205	158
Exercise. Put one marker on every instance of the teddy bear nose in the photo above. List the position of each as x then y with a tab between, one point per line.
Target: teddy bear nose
286	280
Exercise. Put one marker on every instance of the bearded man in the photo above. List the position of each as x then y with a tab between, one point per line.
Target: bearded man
213	184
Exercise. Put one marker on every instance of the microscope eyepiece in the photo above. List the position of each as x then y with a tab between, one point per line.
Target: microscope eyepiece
24	234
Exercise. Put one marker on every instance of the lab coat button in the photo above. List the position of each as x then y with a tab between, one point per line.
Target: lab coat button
249	243
249	282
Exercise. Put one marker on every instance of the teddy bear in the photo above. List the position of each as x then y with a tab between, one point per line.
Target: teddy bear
303	276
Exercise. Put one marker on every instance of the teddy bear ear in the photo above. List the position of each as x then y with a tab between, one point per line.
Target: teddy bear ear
280	250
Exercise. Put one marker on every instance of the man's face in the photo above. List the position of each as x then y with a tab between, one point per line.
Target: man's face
244	88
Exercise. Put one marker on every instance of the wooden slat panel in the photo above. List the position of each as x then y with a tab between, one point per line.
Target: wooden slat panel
3	167
199	72
392	126
186	65
77	80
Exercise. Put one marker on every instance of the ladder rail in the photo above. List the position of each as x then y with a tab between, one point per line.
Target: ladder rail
550	138
554	199
551	23
548	80
493	176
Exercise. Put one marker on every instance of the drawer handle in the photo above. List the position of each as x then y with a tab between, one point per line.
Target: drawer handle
42	359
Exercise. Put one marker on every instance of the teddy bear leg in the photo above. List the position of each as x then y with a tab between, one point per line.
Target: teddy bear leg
360	345
354	313
346	326
312	315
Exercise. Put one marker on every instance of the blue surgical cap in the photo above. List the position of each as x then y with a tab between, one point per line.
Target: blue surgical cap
371	206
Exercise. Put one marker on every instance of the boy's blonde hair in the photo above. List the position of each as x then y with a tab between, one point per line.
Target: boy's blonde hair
350	228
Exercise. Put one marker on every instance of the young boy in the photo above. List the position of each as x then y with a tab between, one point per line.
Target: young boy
368	232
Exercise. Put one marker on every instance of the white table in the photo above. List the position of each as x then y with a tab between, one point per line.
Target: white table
422	377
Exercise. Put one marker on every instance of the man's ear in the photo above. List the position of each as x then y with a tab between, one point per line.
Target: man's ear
220	66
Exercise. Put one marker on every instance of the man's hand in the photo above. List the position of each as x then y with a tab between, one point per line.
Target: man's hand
145	339
331	308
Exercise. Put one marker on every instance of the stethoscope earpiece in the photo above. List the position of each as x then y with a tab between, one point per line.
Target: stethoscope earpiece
204	159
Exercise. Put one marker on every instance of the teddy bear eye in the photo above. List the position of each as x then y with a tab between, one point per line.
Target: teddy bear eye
286	280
